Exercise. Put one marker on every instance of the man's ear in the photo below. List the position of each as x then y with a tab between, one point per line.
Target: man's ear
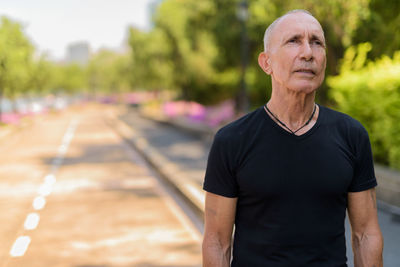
264	62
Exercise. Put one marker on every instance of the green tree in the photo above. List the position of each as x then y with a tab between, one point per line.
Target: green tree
16	54
41	76
151	66
70	78
380	28
192	48
108	72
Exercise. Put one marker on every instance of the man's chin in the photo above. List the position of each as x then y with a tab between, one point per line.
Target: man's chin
304	87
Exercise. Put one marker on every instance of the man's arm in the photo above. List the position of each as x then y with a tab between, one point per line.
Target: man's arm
366	236
219	220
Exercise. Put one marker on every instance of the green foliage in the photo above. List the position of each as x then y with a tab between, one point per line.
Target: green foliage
41	76
380	28
108	72
370	92
70	78
192	49
15	59
23	74
151	67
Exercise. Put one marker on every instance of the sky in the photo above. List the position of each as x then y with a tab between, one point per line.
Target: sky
52	25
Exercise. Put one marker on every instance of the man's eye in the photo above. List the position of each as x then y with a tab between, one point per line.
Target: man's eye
317	42
292	41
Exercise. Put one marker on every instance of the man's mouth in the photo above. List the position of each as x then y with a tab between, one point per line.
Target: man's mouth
306	71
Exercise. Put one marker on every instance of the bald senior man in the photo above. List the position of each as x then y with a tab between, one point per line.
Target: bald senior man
285	174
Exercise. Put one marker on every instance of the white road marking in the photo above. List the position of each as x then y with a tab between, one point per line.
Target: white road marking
39	202
68	135
63	148
65	141
50	179
31	221
20	246
45	190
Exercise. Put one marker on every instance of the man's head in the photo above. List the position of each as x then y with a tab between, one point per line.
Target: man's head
294	53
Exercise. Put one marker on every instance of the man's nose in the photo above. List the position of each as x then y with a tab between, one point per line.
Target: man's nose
306	52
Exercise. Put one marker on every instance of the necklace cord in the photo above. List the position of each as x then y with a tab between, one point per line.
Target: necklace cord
284	125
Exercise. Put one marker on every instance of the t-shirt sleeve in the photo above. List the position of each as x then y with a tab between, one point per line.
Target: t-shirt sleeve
364	174
220	178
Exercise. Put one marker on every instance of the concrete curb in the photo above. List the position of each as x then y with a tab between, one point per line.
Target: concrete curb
198	130
170	171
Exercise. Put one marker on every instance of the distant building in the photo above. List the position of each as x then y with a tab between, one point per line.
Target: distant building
78	53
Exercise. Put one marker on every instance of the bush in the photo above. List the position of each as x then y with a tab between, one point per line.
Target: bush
370	92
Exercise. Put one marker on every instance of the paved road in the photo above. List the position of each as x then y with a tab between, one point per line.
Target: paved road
189	154
72	193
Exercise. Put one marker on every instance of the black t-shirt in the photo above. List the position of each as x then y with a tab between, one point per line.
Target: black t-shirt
291	190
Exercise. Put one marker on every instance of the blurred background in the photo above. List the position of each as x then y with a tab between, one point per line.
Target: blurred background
148	82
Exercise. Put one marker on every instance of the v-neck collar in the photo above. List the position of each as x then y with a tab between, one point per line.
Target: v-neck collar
283	131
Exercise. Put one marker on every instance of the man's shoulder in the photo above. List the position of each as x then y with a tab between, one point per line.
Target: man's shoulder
239	128
343	121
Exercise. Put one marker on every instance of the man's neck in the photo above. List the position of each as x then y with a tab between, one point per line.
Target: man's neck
292	108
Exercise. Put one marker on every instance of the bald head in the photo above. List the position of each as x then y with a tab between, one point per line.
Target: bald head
275	24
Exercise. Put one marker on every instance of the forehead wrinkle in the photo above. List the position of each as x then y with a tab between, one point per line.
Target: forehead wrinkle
300	33
298	19
311	35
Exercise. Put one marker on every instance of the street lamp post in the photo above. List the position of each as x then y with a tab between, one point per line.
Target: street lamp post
242	104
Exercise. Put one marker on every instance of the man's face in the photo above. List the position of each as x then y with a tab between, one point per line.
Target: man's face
296	53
